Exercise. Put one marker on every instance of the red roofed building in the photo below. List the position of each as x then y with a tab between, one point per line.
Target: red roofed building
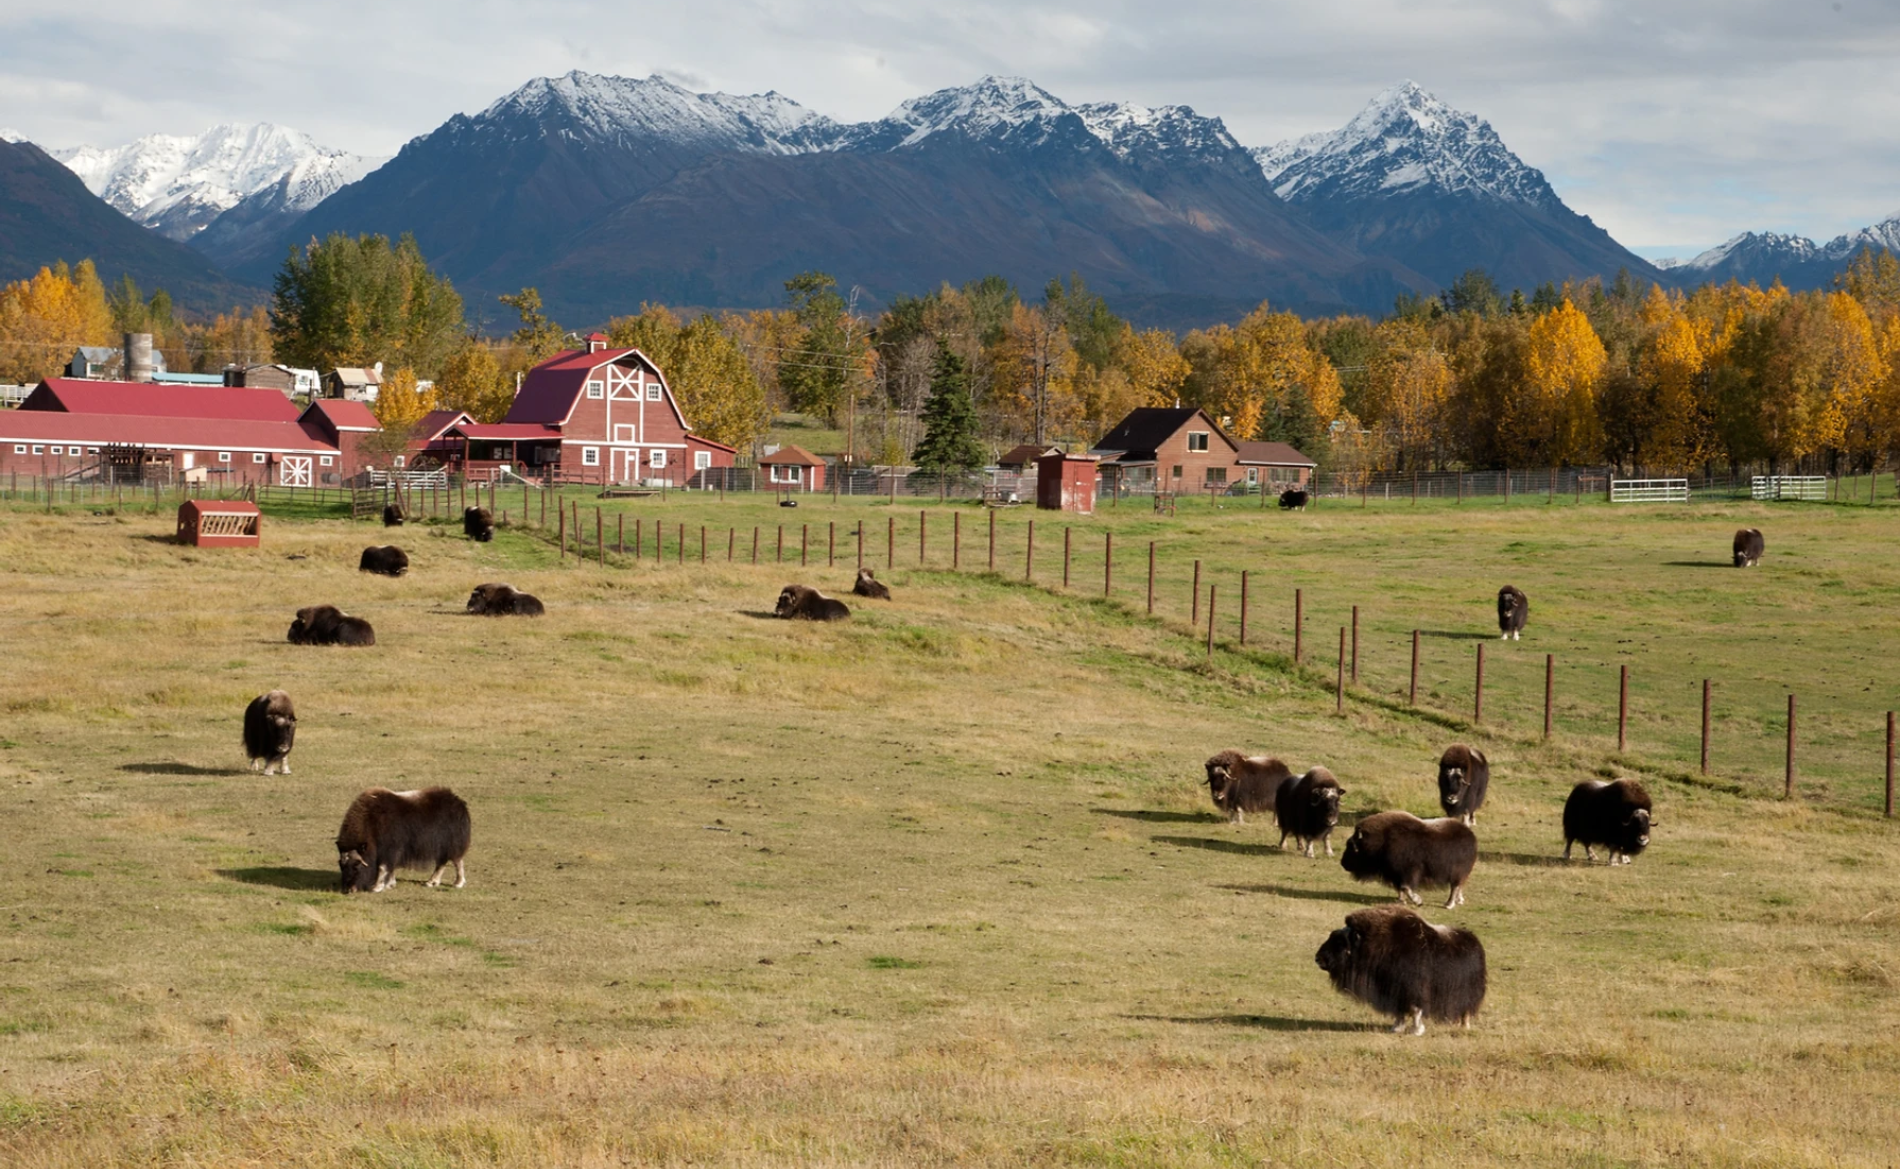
149	399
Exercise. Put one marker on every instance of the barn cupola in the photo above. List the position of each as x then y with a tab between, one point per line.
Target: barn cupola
596	342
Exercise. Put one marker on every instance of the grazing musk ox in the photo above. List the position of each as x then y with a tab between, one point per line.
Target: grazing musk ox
392	515
386	560
1308	810
385	831
1401	965
1245	783
1617	815
1748	547
1410	854
1514	609
478	524
328	625
869	586
796	602
1293	499
1463	778
270	728
502	600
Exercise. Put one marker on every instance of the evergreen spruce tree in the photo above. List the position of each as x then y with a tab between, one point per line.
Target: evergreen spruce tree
950	442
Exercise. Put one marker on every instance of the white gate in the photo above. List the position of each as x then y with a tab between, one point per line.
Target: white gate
1649	491
294	471
1788	487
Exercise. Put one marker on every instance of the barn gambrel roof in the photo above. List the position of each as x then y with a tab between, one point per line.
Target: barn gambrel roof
552	389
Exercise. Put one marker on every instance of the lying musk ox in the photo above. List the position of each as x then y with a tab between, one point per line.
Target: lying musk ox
387	560
1399	964
805	604
1617	815
1410	854
1463	778
392	515
328	625
1748	547
384	831
1293	499
869	586
478	524
1308	810
270	727
502	600
1245	783
1514	609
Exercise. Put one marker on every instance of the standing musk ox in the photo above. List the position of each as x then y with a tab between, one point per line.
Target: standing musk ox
384	831
1410	854
501	600
1308	810
387	560
270	727
392	515
1293	499
328	625
478	524
1463	778
1617	815
1399	964
1245	783
1514	609
869	586
1748	547
796	602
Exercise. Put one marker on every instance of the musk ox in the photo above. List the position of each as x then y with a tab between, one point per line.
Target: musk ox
1308	809
1617	815
478	524
1401	965
328	625
387	560
392	515
1748	547
805	604
270	727
1463	778
1514	609
1293	499
1410	854
384	831
502	600
868	585
1245	783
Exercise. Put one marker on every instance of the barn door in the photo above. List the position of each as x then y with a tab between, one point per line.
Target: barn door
294	471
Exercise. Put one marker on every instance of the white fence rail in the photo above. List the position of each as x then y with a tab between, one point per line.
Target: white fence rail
406	479
1649	491
1788	487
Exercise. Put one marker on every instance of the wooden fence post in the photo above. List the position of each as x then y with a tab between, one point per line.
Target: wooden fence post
1029	557
923	528
1550	690
1243	606
1413	698
1355	645
831	543
681	550
600	535
992	539
1194	610
860	545
620	534
1705	726
781	543
732	543
755	543
1210	620
1787	791
1477	701
1067	544
804	545
563	533
890	534
956	540
1622	708
1299	622
1151	578
1108	564
1339	683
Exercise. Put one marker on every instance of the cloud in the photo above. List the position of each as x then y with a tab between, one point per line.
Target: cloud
1665	120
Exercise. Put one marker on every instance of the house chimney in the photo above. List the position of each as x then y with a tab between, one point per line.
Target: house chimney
138	357
596	342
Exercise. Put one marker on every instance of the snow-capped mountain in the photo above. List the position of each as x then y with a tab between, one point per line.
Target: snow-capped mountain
1757	247
8	134
178	184
623	109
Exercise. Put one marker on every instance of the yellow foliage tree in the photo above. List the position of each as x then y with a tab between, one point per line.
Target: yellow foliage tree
42	320
716	386
1671	362
472	380
233	338
1851	376
1552	418
1152	361
1032	372
1407	386
400	403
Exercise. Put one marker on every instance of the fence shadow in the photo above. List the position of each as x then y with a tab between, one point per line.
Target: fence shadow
1454	635
1311	894
1260	1022
282	877
1162	817
172	767
1529	859
1212	845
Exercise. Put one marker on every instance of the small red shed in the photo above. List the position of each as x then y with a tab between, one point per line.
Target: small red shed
212	523
1066	482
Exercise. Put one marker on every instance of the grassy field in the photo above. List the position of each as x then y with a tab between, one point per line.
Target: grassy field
940	886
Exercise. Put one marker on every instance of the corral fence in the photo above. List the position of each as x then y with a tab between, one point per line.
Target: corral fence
1649	491
1788	487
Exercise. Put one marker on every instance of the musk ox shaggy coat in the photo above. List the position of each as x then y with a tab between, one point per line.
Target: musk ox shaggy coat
478	524
270	728
1748	547
392	515
1293	499
1245	783
385	831
1410	854
387	560
1401	965
1617	815
328	625
1463	778
1514	609
807	604
868	585
1308	809
502	600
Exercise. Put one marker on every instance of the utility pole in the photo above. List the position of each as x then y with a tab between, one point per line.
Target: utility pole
850	387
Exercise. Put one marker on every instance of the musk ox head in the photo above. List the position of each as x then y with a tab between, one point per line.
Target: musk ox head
1360	855
1220	773
1335	953
1632	835
788	599
358	875
1322	799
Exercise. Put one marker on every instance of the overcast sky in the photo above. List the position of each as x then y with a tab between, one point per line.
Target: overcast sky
1674	125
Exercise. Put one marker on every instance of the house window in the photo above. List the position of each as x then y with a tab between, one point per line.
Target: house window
787	474
590	456
1177	472
224	456
702	460
327	460
1197	440
596	389
653	393
1217	474
1253	474
258	457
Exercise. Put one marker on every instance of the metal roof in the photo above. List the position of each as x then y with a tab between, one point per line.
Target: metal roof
38	426
153	400
789	455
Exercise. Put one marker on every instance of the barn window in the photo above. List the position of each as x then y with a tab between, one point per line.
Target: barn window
400	460
1197	440
590	456
258	457
596	389
19	448
39	449
657	459
327	460
702	460
92	450
653	393
224	456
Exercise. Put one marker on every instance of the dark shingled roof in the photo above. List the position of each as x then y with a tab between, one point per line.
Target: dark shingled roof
1141	434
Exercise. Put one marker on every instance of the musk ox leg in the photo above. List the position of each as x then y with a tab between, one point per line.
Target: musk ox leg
257	764
384	879
1282	845
461	877
1567	845
1329	846
1239	817
1413	1021
1407	893
1457	897
1590	852
1306	849
435	878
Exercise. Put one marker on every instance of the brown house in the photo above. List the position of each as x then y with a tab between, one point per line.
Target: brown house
1161	449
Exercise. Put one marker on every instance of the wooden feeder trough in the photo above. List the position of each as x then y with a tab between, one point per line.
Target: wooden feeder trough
211	523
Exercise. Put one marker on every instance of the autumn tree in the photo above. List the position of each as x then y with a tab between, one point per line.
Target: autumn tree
1034	372
538	335
401	403
1552	419
709	374
827	359
44	319
472	380
234	338
358	300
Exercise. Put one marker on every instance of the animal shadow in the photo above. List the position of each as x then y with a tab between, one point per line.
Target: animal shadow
283	877
170	767
1698	564
1161	817
1530	859
1310	894
1262	1022
759	614
1213	845
1456	635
